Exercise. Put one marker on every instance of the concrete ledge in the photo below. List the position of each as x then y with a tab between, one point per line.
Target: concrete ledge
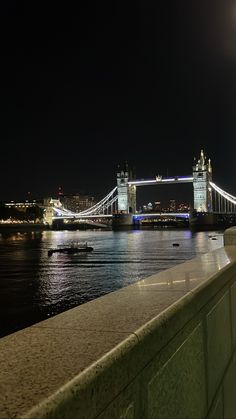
146	351
230	236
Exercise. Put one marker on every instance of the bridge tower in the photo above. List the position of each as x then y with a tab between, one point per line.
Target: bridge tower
202	175
126	193
48	204
48	215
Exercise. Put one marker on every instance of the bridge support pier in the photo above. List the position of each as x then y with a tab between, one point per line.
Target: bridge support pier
203	220
122	220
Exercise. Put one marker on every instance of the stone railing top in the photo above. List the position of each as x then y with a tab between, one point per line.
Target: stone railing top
41	362
230	236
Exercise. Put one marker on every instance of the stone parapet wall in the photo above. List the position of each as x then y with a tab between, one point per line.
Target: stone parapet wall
230	236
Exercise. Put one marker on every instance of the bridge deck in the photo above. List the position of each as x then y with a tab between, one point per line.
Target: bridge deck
162	181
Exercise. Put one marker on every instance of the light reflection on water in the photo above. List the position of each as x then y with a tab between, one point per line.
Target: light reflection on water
34	286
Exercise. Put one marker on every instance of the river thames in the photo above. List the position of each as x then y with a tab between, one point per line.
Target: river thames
34	286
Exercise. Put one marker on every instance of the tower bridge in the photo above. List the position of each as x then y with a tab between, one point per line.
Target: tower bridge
209	200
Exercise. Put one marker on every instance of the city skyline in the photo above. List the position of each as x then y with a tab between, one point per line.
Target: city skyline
89	88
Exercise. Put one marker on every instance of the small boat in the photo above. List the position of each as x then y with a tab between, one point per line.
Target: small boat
74	248
175	244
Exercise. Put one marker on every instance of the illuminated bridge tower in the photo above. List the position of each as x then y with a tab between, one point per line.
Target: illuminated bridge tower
126	193
202	175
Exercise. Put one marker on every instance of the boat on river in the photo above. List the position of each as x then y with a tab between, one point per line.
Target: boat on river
73	248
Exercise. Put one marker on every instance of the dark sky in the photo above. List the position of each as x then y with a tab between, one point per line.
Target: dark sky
88	85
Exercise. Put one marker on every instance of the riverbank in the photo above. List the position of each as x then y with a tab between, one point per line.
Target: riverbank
23	226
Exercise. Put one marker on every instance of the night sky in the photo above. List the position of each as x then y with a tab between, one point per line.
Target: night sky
86	86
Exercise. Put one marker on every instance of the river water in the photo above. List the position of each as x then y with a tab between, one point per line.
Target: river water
34	286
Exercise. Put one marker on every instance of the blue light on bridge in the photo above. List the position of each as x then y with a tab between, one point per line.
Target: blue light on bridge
160	215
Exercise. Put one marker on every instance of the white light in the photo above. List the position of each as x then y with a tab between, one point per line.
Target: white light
225	195
177	179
